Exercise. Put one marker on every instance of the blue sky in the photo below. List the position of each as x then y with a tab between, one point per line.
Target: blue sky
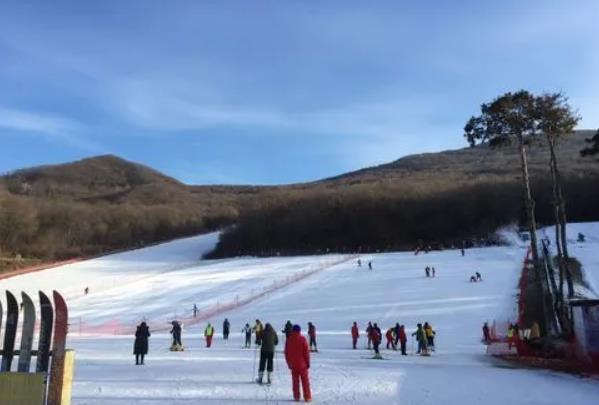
268	92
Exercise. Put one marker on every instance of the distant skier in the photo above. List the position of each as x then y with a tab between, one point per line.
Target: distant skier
430	336
390	336
377	337
226	329
511	333
247	330
297	355
140	347
486	333
355	335
421	339
463	249
478	276
427	271
434	272
396	333
86	290
581	238
369	265
402	340
369	334
258	328
195	310
176	332
473	279
312	335
208	334
359	263
287	329
267	353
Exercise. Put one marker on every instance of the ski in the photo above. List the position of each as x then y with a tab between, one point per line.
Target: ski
45	336
58	349
26	334
375	358
10	332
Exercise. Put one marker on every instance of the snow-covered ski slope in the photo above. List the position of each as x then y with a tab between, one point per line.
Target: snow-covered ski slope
159	282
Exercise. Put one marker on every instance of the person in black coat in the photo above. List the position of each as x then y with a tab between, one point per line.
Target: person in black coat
226	328
140	347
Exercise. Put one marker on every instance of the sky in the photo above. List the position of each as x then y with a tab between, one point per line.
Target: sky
271	92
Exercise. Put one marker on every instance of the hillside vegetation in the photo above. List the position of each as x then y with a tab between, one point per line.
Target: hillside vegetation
106	203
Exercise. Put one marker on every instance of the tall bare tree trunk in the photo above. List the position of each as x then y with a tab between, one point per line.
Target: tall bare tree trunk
530	203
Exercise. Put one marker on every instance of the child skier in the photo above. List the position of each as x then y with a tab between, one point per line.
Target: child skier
369	334
430	336
421	338
402	340
355	334
258	328
177	346
486	333
208	333
140	347
390	336
376	340
247	330
312	335
297	355
267	353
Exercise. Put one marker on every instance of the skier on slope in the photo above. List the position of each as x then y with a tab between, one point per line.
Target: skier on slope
258	328
370	265
486	333
208	333
390	336
226	329
267	353
312	335
176	332
377	338
247	330
402	340
287	329
478	276
355	334
421	339
369	334
396	334
297	355
430	336
140	347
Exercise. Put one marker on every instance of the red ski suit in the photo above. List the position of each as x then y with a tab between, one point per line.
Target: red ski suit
355	334
297	355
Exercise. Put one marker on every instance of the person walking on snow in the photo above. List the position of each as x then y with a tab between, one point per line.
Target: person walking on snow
176	332
247	330
427	271
434	272
377	338
226	329
359	263
195	310
396	334
486	333
267	353
421	339
287	329
478	276
140	347
297	355
369	334
312	335
430	336
390	336
369	265
258	328
208	333
402	340
355	334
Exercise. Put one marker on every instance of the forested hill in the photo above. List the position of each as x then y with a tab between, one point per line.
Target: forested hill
106	203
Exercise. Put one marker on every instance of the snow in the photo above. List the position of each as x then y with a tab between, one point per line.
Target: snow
162	282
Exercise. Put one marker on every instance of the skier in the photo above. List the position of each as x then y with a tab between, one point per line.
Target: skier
581	238
390	336
421	338
248	335
478	276
226	327
427	271
463	248
359	263
434	272
208	333
312	335
267	353
176	332
297	355
369	265
258	328
486	334
402	340
369	334
355	334
430	336
472	279
287	329
377	337
86	291
140	347
195	310
396	334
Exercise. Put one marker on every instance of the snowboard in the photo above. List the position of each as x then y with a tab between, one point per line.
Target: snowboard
58	349
10	332
45	336
26	334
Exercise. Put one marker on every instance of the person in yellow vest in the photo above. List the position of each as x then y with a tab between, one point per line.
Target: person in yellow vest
510	336
430	336
208	333
258	329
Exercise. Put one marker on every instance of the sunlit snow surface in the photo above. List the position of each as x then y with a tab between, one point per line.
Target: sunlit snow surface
161	282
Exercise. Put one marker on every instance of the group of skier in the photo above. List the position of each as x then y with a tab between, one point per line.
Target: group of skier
430	271
476	277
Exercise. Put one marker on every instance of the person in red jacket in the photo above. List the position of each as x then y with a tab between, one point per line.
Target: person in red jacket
355	334
390	335
297	355
312	335
402	340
